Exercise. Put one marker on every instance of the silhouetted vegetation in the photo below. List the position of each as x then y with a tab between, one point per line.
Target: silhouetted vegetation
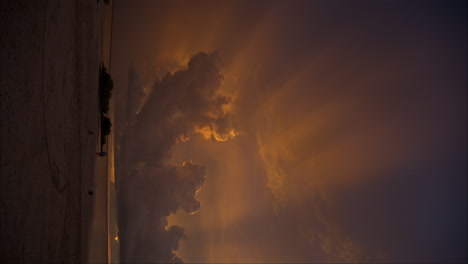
106	87
105	128
106	2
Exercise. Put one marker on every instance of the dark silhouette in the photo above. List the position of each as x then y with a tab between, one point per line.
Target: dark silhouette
106	87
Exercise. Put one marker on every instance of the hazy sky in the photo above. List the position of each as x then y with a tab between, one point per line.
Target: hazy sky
311	131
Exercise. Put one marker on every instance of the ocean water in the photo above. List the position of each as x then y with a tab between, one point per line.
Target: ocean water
113	228
112	215
113	244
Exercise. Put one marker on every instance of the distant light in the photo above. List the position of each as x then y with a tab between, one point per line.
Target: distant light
116	238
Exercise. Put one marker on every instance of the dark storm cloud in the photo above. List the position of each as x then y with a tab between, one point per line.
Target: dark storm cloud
135	95
181	104
152	194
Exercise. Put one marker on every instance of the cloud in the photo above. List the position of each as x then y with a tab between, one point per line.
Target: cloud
136	94
275	174
181	104
152	194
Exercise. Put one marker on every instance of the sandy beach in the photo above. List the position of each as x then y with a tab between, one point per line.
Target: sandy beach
49	104
98	239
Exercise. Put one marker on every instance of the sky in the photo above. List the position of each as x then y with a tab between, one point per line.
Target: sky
291	131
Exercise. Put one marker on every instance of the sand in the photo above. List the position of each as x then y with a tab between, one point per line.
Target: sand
98	239
48	102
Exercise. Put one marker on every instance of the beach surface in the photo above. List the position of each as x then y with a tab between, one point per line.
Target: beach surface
49	129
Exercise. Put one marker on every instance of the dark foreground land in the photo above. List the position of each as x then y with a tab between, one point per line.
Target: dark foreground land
48	102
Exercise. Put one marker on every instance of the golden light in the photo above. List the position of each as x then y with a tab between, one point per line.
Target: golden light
209	133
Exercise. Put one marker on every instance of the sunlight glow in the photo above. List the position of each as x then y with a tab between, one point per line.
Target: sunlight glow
209	133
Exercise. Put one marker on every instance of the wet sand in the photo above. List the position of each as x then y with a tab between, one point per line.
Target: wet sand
98	239
48	102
